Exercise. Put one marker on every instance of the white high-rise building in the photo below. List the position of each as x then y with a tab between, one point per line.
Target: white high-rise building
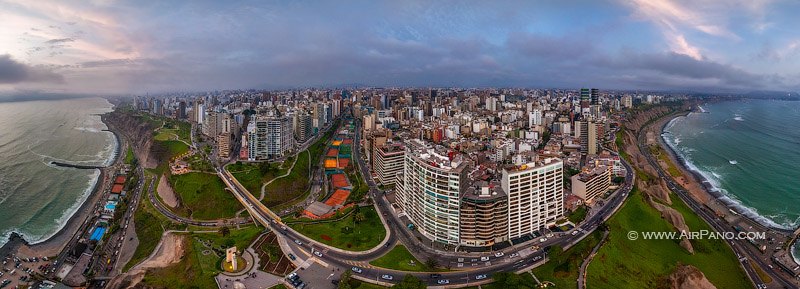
535	196
534	118
270	137
431	190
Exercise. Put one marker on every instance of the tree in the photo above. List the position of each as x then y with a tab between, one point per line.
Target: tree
359	217
224	231
410	282
510	280
431	263
344	280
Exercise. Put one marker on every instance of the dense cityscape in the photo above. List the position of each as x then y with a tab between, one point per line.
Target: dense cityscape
618	144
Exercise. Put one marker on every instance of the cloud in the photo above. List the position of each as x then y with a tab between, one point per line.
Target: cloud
12	71
60	40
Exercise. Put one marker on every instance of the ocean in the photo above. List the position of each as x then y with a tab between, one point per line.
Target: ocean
36	197
748	150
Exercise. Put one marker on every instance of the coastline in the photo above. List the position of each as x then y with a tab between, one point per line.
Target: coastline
707	187
55	244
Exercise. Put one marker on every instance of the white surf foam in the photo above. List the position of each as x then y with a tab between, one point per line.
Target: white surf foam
714	180
69	212
733	162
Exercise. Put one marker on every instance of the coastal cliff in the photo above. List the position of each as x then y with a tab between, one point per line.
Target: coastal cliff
139	133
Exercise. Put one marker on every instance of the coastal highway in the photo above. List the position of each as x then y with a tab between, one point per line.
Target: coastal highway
471	264
738	246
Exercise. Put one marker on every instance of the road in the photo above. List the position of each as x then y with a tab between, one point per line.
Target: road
477	264
739	246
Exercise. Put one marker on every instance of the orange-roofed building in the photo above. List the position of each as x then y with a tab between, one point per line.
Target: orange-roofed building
343	163
119	180
347	141
336	143
116	189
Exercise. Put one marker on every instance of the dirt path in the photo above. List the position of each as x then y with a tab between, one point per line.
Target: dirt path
166	193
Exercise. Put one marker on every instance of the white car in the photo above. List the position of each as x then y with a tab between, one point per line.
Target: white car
575	232
387	277
357	270
318	253
480	277
513	255
485	258
298	242
498	254
443	282
542	240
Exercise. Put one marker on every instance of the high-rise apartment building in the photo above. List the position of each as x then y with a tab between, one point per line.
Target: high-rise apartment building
483	215
270	137
535	196
388	162
591	183
433	183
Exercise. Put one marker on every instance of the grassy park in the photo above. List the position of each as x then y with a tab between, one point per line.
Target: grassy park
399	258
653	260
361	230
203	196
562	266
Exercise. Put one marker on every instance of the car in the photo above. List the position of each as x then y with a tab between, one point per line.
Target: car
292	257
443	282
575	232
292	276
435	276
480	277
542	240
357	270
513	255
298	242
318	253
387	277
485	258
499	254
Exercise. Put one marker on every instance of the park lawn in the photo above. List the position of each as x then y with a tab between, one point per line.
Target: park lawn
203	196
525	281
253	175
399	258
164	135
198	162
562	266
651	261
241	238
345	233
195	270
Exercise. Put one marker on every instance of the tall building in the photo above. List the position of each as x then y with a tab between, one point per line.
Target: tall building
586	97
534	118
595	96
388	164
280	136
304	127
535	196
589	132
211	124
182	110
432	186
591	183
224	145
483	215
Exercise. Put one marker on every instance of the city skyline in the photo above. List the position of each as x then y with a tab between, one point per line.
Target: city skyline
127	48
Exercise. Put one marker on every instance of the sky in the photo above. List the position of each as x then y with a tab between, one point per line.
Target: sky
138	47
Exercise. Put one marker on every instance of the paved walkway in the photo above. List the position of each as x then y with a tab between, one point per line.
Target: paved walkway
585	264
